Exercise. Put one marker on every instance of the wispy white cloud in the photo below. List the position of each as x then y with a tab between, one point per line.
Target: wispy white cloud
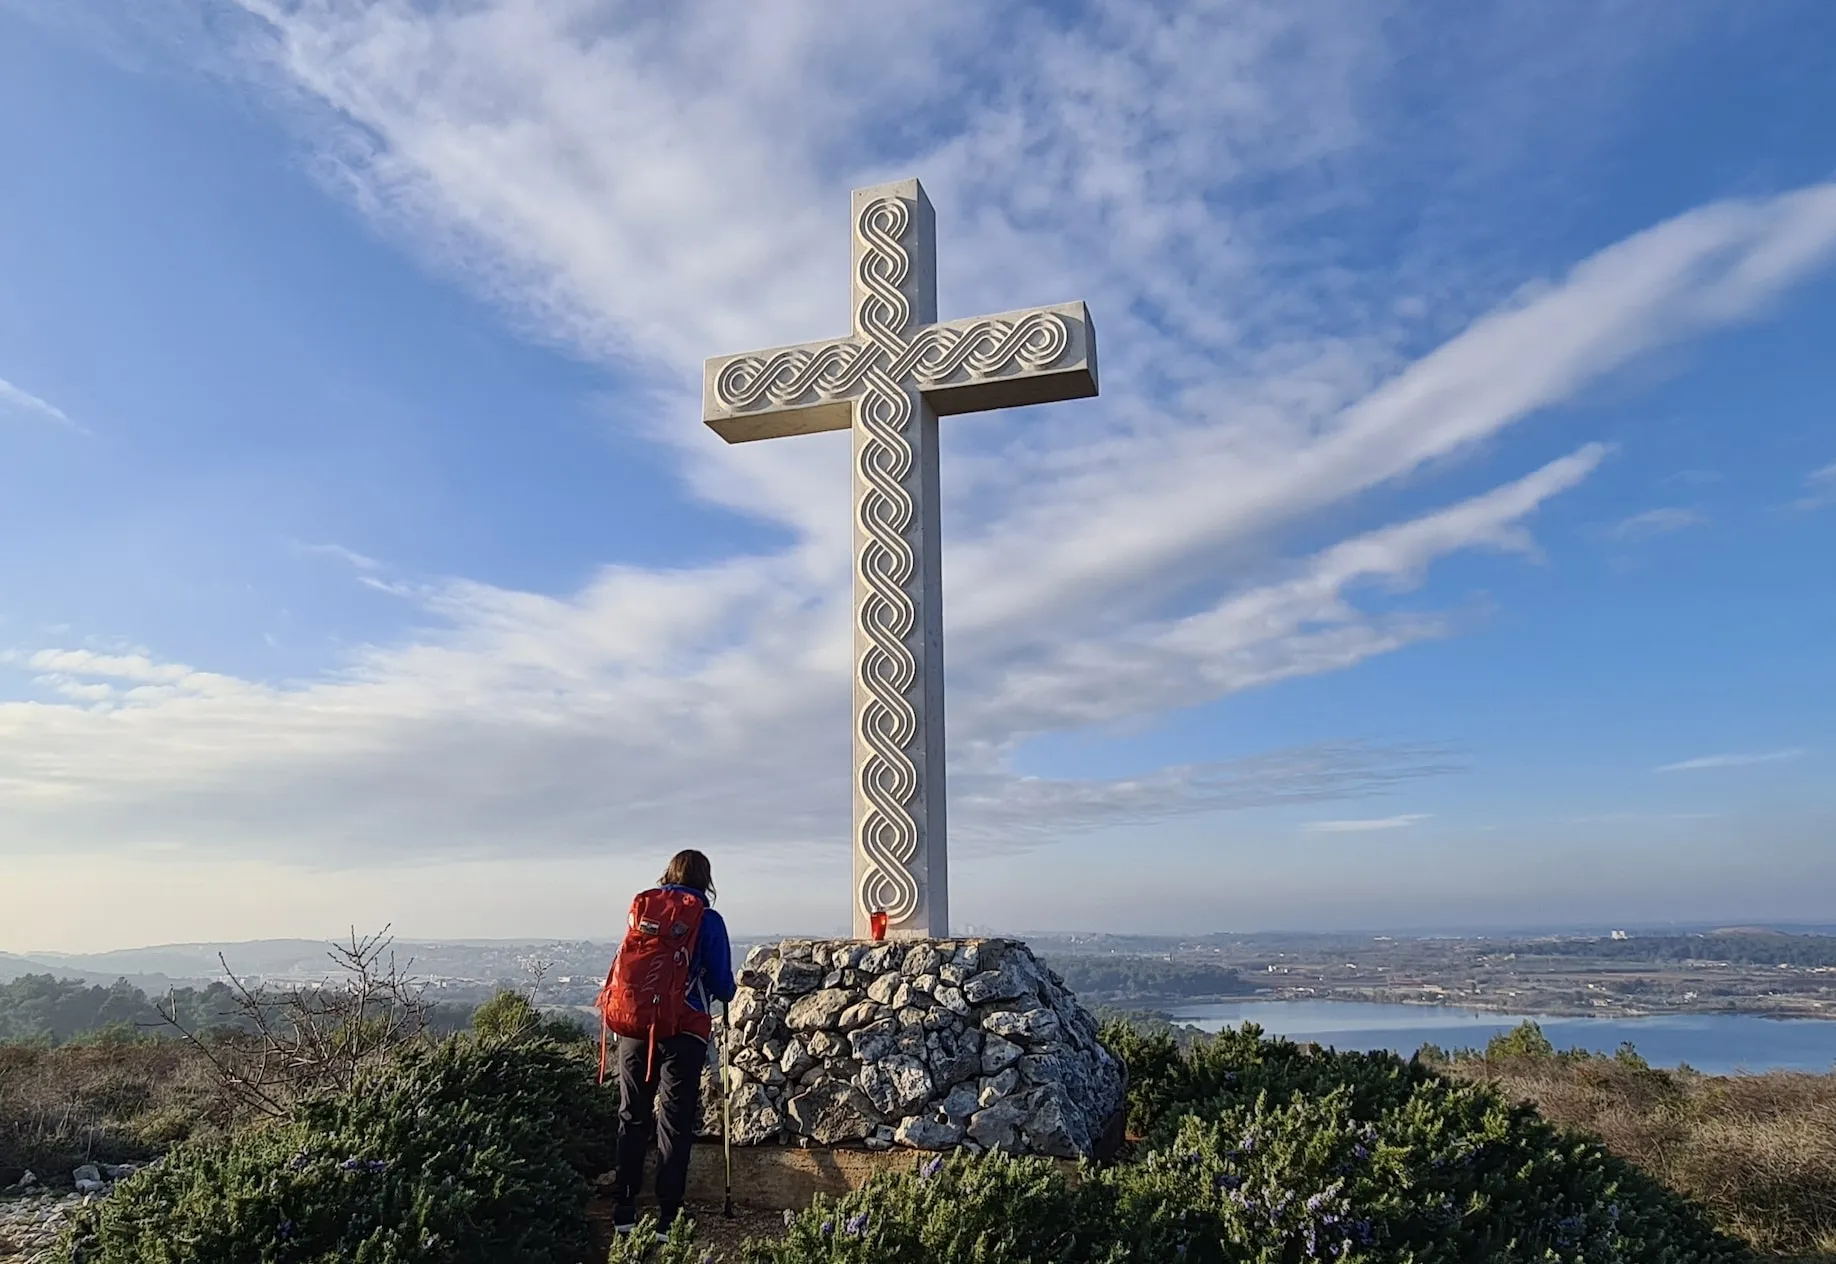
14	400
1735	760
350	557
1654	522
1820	488
619	182
1366	824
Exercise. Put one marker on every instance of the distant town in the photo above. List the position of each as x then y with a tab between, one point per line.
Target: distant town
1617	973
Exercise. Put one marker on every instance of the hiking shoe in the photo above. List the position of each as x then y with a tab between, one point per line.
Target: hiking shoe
664	1222
624	1220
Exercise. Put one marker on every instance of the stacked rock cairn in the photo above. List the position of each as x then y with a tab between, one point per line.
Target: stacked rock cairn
931	1044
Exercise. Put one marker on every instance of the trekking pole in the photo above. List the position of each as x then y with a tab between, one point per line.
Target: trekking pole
726	1101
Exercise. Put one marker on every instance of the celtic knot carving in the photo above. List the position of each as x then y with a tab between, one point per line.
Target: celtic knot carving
888	721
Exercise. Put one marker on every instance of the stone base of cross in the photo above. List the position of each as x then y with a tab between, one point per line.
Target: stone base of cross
890	381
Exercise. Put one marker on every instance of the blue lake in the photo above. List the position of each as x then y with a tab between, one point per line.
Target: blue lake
1716	1043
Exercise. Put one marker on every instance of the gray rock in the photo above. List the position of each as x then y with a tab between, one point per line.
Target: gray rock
928	1132
896	1085
1049	1129
951	973
88	1172
922	959
969	956
826	1044
878	959
952	999
884	988
961	1103
997	1127
998	1054
832	979
829	1114
1032	1026
1049	1065
822	1010
995	1087
791	977
745	1007
860	1014
797	1059
875	1041
1008	983
959	1058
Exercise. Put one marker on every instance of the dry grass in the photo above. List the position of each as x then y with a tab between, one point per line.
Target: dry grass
99	1103
1759	1151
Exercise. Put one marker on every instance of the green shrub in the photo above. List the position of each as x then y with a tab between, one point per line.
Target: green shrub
1238	1065
989	1210
1272	1153
509	1015
471	1151
1526	1040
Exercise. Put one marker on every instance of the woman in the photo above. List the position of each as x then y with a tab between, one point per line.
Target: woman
670	1069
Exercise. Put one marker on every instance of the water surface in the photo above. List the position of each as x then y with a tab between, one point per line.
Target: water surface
1719	1044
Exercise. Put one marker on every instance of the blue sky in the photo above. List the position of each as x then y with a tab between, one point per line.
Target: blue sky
1450	546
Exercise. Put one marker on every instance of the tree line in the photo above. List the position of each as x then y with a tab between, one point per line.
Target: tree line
1748	950
43	1009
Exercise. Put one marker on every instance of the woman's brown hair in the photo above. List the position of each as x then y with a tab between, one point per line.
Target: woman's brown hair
689	868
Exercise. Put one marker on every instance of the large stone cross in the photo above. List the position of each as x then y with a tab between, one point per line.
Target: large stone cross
890	381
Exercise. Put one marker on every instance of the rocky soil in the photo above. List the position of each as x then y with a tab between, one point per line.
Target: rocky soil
932	1044
31	1216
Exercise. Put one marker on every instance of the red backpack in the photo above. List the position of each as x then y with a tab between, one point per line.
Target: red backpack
646	990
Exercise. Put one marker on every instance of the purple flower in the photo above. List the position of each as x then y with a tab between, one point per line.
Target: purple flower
285	1230
1317	1201
856	1225
931	1168
1361	1151
828	1227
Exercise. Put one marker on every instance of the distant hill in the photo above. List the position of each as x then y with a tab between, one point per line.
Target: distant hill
15	967
198	961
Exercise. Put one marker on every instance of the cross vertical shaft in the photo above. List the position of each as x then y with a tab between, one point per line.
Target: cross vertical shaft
900	833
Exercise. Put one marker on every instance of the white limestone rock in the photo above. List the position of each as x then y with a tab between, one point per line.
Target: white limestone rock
844	1042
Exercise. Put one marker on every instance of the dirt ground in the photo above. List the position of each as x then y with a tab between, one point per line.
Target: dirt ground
713	1230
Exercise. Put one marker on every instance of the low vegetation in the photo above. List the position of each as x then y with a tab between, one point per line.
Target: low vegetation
1758	1151
343	1126
1262	1150
101	1101
473	1150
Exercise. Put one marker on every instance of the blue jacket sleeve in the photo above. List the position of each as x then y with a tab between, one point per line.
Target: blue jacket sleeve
716	957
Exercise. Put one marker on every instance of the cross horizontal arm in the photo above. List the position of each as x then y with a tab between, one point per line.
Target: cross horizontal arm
1037	356
782	391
